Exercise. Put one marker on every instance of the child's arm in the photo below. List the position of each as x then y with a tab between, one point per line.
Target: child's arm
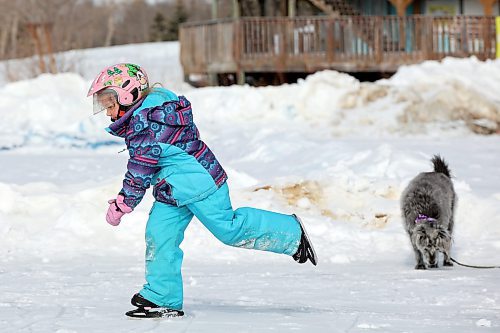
142	166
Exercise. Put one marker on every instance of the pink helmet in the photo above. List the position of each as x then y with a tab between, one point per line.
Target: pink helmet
128	81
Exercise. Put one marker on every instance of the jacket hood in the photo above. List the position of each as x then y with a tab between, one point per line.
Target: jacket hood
119	127
157	97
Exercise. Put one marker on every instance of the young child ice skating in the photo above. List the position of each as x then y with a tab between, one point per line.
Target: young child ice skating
166	152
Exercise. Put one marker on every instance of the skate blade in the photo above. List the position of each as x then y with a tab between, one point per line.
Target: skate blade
143	313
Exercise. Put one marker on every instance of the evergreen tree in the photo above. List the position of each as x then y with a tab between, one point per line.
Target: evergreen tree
179	16
158	30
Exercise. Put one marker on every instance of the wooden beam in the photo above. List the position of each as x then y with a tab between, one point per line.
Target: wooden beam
488	6
401	6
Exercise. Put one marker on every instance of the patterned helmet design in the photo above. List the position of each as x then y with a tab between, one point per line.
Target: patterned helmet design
128	81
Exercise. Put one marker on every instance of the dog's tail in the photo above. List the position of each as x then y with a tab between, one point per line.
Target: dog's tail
441	166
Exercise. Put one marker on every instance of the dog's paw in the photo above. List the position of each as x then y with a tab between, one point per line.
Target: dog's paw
448	264
420	266
433	266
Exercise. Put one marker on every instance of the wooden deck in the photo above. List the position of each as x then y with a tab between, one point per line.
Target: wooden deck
346	43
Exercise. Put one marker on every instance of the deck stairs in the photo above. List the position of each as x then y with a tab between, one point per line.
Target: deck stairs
335	7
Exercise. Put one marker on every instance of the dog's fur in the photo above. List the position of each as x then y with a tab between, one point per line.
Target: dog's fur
431	194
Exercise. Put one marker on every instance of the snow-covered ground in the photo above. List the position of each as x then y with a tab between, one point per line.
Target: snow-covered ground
329	148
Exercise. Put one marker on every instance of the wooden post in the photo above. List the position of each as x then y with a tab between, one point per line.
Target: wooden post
427	36
270	8
488	6
401	6
282	8
240	74
236	9
215	9
281	67
330	40
487	35
377	43
287	32
213	79
292	4
240	77
237	50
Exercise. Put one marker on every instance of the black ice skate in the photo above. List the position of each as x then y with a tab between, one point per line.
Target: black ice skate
305	250
147	309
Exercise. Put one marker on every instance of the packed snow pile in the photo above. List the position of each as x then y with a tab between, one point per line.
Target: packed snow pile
48	111
452	90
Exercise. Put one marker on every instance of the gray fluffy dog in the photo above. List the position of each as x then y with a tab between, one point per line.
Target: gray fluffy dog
427	205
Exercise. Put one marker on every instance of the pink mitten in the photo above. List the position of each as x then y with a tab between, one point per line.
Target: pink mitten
117	208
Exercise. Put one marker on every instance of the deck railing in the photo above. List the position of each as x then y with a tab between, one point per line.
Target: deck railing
352	43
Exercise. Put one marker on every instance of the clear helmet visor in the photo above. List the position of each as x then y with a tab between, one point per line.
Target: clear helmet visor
105	100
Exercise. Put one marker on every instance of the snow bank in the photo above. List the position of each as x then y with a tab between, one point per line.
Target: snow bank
451	90
49	111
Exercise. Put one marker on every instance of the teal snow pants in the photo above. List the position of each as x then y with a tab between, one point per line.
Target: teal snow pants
245	227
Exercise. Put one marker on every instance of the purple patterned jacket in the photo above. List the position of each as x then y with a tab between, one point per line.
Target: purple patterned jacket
166	151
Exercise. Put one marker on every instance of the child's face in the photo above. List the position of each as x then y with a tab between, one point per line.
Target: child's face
110	104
